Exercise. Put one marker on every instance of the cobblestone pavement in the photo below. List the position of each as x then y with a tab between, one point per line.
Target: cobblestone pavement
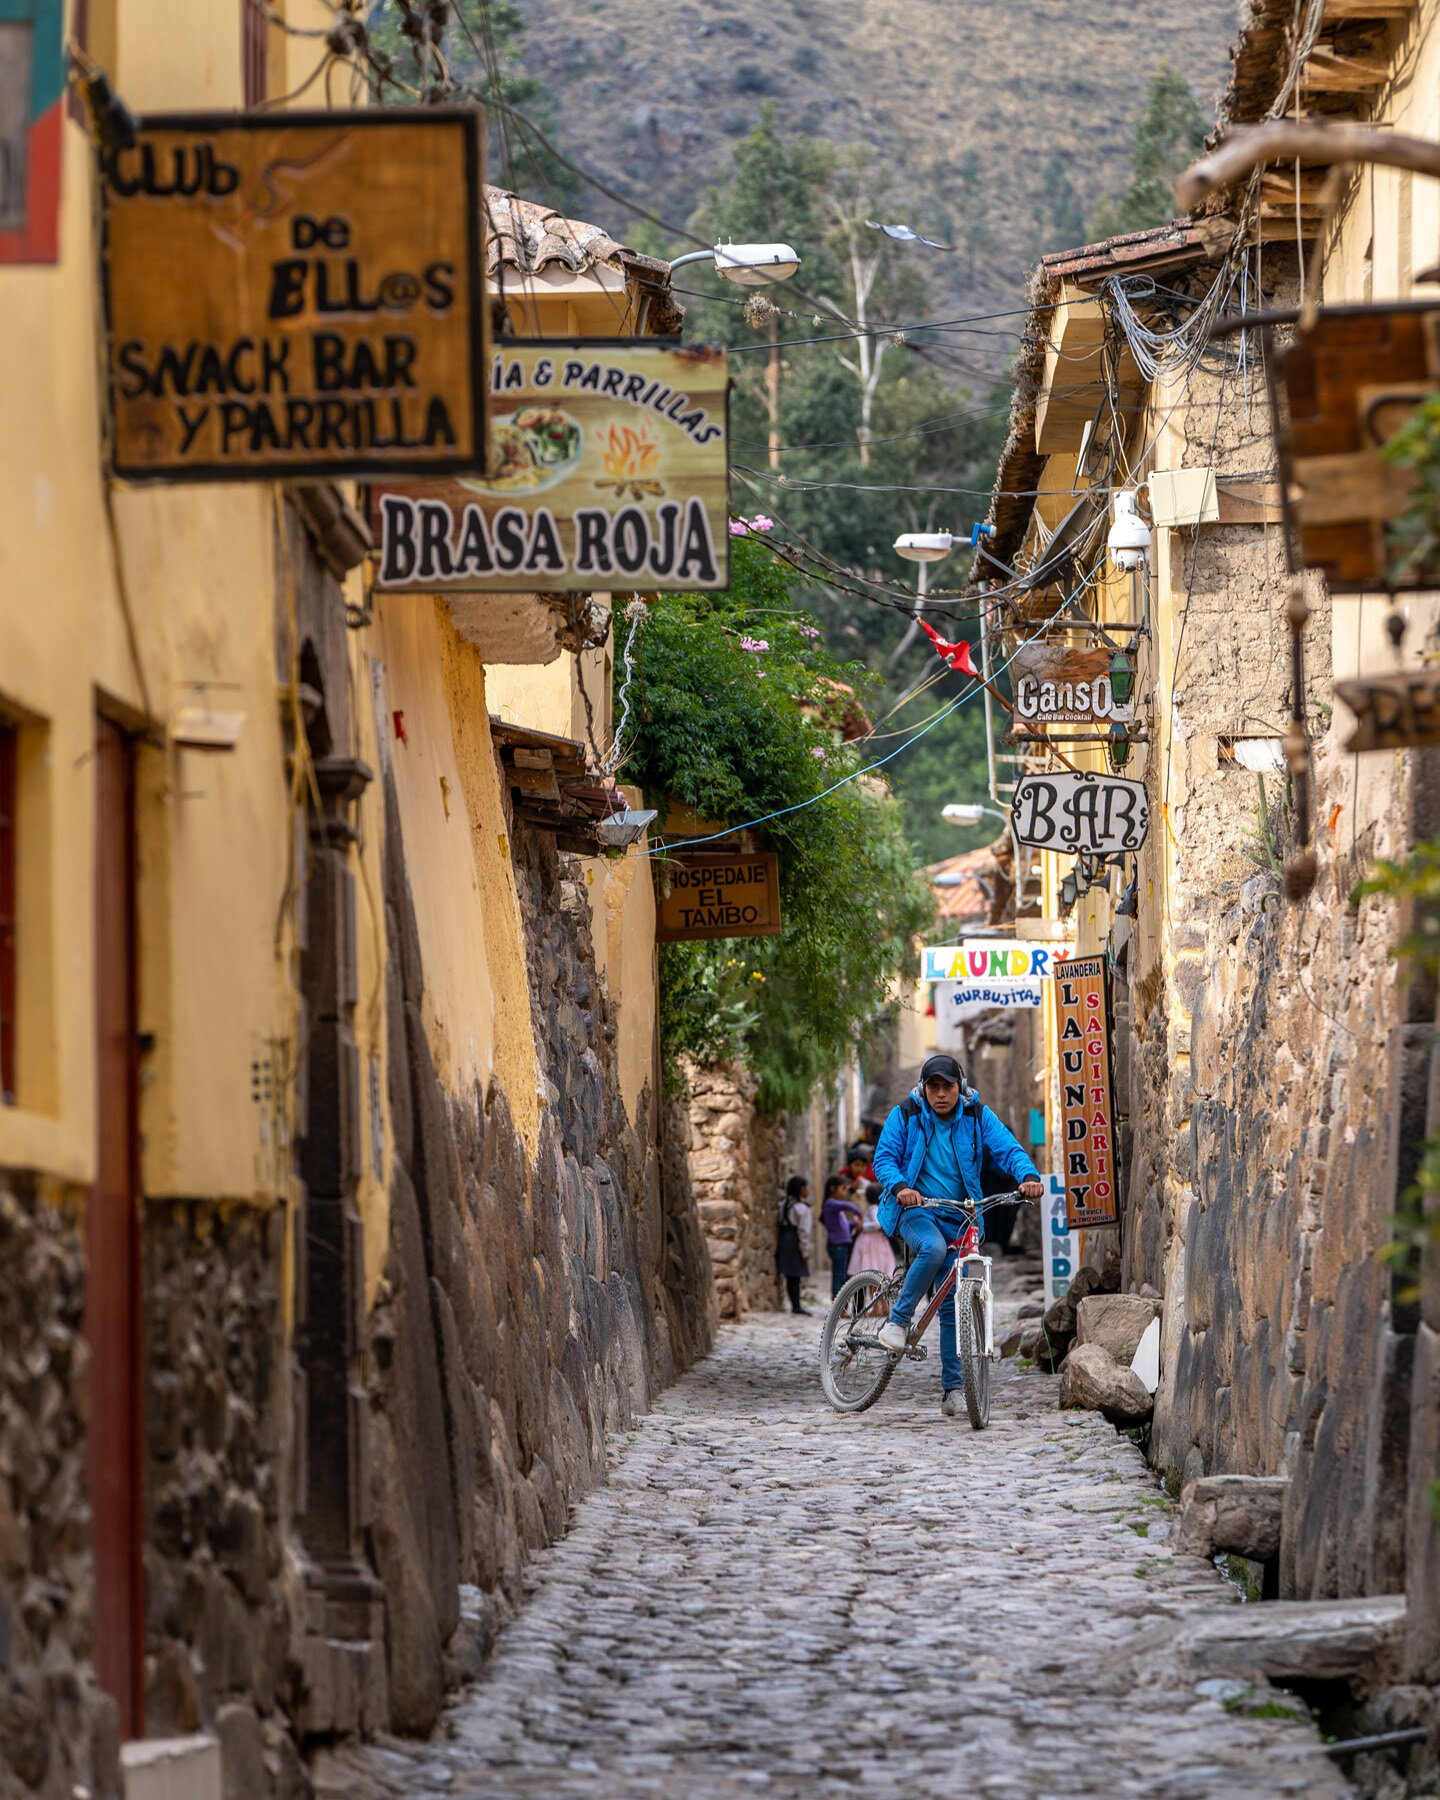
769	1598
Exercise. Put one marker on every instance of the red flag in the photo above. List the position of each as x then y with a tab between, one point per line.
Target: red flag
957	655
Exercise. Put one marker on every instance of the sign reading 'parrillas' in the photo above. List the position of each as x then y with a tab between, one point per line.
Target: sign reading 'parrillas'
718	895
295	294
608	471
1088	1141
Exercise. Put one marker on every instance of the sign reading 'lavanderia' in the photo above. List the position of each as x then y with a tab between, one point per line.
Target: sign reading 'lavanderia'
1088	1142
608	471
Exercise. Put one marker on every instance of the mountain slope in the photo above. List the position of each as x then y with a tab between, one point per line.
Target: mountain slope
982	110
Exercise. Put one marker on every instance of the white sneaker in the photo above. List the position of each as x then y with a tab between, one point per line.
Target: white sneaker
893	1336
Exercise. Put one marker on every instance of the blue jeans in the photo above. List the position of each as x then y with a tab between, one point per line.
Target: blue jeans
839	1263
929	1235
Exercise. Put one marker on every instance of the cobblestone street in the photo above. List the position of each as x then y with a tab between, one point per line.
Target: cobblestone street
770	1598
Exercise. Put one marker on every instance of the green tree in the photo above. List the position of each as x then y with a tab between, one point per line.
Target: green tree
474	50
1169	134
738	709
1057	222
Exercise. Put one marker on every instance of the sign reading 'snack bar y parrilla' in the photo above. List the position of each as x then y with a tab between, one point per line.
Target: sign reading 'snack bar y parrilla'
717	895
1088	1141
608	471
293	294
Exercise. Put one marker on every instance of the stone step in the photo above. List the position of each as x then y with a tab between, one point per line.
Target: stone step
1301	1640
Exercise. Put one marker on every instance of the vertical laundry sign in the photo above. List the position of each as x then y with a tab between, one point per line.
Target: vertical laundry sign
1088	1137
608	471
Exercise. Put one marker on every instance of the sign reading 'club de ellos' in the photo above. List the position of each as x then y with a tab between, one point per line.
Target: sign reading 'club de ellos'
608	471
295	294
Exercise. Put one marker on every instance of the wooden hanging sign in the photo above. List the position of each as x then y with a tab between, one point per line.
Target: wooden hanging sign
719	894
1344	389
295	294
1393	712
610	471
1055	684
1088	1137
1096	814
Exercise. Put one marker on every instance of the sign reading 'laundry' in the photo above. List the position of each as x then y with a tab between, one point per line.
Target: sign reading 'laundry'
988	960
1088	1139
608	471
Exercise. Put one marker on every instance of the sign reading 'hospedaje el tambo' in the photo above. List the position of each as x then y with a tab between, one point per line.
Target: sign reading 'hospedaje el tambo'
295	294
608	471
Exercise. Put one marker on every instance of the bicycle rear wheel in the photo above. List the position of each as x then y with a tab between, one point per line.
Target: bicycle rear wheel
970	1342
854	1367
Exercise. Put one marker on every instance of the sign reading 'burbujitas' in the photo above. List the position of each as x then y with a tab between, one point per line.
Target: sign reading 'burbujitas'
295	294
608	471
719	895
1088	1140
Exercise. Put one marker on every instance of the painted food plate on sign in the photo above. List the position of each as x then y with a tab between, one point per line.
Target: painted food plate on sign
531	450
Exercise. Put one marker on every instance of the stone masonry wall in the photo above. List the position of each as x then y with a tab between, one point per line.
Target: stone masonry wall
1263	1075
218	1626
527	1309
737	1160
59	1735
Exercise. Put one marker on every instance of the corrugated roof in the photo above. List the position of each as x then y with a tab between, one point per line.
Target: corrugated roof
968	903
1180	244
529	238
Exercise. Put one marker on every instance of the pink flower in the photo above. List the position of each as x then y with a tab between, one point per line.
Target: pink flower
738	528
817	751
761	523
749	643
807	631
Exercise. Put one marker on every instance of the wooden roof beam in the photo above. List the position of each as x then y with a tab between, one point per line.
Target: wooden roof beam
1337	10
1327	73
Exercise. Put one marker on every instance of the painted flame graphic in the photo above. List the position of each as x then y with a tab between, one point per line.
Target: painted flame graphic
628	454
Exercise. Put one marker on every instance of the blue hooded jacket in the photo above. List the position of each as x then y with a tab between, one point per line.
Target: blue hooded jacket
907	1135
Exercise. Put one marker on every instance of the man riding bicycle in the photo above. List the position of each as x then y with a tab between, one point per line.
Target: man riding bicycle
930	1158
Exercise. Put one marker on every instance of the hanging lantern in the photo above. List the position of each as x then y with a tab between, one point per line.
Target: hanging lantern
1119	747
1069	892
1122	675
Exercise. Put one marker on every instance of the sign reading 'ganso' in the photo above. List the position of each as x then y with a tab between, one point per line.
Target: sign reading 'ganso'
295	294
717	896
608	470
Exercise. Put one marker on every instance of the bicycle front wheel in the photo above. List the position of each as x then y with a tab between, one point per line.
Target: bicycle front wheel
970	1342
855	1367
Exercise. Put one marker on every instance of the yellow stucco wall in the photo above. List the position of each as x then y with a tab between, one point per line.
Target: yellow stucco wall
214	831
476	1006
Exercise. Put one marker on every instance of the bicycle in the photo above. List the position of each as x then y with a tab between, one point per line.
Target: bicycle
855	1367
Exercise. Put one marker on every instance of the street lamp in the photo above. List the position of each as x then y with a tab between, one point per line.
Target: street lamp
967	813
747	265
926	547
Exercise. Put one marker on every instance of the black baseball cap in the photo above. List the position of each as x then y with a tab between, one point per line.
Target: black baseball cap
943	1068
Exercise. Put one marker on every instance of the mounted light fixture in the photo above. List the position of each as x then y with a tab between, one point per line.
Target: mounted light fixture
1118	746
924	546
1122	677
1069	893
747	265
1129	539
623	829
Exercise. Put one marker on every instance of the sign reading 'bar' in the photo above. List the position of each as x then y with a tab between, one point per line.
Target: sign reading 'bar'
1093	813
